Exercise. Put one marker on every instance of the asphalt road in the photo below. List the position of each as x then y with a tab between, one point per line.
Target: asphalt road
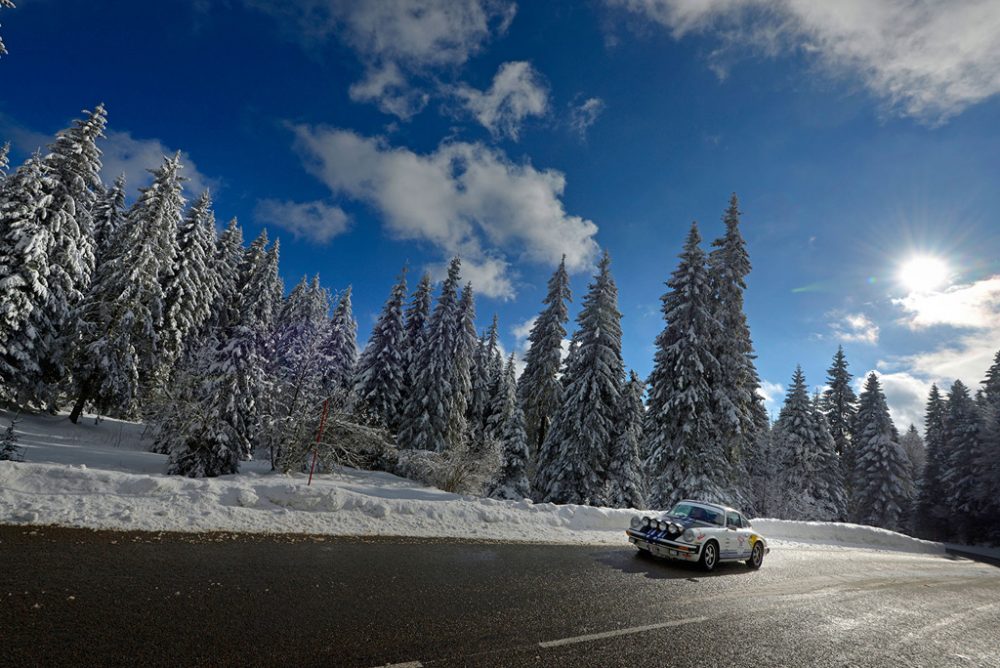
73	597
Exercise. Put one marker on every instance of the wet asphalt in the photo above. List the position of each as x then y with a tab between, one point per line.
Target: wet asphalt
99	598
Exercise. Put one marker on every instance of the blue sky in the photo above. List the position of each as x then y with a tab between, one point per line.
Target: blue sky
367	135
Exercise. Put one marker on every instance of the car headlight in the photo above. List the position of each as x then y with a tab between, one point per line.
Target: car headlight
635	522
688	536
676	528
661	525
646	522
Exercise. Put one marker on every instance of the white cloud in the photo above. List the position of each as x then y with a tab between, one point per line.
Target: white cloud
975	305
925	58
124	154
523	330
585	115
489	276
317	221
855	328
466	199
388	88
415	35
516	93
773	394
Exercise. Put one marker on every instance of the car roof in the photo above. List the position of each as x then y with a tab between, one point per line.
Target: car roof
718	506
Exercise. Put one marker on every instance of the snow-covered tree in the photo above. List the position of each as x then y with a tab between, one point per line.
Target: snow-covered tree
881	472
431	403
463	361
227	263
9	449
737	383
840	406
586	424
417	314
486	372
512	481
259	289
378	386
988	482
220	433
963	452
4	157
109	217
931	515
626	480
120	321
762	468
71	175
538	388
340	350
686	457
916	454
24	275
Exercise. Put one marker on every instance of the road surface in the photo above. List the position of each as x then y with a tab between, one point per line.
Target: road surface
77	597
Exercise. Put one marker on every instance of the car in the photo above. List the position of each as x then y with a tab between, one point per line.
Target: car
699	532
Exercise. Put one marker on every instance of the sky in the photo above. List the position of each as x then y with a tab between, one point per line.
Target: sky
861	138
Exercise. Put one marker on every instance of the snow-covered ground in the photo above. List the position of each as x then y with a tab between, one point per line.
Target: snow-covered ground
102	476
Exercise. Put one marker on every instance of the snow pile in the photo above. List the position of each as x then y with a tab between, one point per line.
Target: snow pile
846	535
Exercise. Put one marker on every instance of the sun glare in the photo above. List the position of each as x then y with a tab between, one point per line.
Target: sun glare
923	273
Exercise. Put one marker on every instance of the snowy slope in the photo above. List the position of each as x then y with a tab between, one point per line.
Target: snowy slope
101	476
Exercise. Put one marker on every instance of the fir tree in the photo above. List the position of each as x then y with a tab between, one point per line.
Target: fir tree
737	383
340	351
9	449
4	157
539	389
512	481
24	276
913	446
463	360
431	401
686	459
259	289
988	478
880	469
380	377
109	217
229	256
487	369
626	482
585	427
840	406
417	314
961	438
931	517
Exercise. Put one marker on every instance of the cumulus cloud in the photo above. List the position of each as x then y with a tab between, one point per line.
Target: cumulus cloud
489	276
523	330
925	58
465	198
516	93
772	394
316	221
583	116
974	305
854	328
415	35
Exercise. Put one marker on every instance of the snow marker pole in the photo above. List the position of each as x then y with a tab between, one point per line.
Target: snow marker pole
319	435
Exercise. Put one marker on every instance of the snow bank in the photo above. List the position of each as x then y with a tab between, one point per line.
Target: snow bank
102	476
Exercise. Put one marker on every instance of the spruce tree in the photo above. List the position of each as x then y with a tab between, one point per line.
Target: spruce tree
881	473
931	515
4	158
686	458
988	479
586	424
227	263
109	217
626	481
512	481
340	351
431	401
463	360
737	383
916	454
840	406
538	388
963	453
24	276
487	369
417	314
380	376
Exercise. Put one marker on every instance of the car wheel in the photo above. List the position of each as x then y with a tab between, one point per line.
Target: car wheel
756	556
709	556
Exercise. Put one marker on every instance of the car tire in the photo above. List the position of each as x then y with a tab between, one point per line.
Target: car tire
756	556
709	556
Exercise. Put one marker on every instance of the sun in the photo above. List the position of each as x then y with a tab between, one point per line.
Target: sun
923	273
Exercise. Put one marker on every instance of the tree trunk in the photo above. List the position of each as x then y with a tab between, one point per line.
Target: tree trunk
81	401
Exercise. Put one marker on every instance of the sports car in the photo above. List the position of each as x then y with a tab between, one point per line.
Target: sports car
699	532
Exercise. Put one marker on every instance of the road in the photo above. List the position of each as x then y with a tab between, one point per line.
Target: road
86	598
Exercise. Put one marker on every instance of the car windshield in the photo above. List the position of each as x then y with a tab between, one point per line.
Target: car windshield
697	512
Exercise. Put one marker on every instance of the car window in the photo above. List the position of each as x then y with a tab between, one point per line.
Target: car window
733	520
746	522
699	513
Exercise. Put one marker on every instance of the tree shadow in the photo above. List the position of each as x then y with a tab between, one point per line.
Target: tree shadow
639	562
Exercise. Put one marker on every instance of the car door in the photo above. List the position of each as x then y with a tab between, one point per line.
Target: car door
746	544
731	538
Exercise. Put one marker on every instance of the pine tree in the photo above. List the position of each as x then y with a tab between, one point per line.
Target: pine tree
24	274
512	482
961	439
585	427
70	178
840	406
626	482
380	376
931	516
417	314
486	371
10	451
763	471
808	482
737	383
463	360
988	479
913	446
432	402
880	467
538	388
4	157
109	217
120	321
686	459
340	351
229	256
259	289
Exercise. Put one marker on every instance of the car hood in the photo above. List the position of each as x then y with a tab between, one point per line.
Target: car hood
687	522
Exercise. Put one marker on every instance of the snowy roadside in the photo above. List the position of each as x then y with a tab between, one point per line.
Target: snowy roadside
101	476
